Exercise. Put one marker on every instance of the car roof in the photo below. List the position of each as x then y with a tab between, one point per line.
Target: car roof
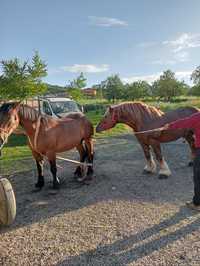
56	99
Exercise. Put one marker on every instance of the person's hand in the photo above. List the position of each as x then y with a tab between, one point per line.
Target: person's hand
165	127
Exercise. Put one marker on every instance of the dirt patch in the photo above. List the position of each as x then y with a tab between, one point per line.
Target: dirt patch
122	218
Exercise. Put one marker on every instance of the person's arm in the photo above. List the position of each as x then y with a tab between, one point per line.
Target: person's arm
192	122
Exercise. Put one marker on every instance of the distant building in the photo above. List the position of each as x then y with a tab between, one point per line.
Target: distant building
90	92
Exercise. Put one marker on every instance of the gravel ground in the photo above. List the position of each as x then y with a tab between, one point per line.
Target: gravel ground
122	218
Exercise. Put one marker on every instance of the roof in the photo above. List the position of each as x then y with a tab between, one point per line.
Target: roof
56	99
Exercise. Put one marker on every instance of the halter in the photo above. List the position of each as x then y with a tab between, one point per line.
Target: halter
114	116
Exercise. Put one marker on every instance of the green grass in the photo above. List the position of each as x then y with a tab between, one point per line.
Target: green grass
17	155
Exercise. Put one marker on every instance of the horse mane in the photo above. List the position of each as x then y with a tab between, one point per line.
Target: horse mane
139	110
25	111
5	107
28	112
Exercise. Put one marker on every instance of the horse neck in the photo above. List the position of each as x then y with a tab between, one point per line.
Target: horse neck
137	117
126	117
27	124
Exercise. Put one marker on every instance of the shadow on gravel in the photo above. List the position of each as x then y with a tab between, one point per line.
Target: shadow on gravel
118	168
130	249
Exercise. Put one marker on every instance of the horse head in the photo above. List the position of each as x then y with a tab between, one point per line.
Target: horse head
9	119
108	121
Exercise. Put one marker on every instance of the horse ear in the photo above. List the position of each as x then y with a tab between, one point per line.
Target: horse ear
15	107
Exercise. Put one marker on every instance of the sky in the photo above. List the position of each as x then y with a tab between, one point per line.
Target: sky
137	39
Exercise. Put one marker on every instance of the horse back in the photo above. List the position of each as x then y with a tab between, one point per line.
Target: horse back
179	113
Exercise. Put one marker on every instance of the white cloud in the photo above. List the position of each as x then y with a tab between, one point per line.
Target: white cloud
107	22
183	74
148	78
76	68
182	56
151	78
184	41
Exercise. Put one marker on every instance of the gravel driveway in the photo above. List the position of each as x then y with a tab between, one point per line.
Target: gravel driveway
122	218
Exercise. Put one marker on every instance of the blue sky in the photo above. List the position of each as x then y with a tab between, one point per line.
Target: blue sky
136	39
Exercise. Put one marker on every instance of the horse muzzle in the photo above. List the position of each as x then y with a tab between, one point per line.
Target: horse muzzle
99	129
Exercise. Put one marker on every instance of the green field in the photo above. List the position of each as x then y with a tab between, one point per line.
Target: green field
17	156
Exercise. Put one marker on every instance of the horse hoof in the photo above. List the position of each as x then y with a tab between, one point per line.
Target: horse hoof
36	190
162	176
56	185
88	179
39	185
147	172
190	164
77	176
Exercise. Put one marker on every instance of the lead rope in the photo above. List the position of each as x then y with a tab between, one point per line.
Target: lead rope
150	130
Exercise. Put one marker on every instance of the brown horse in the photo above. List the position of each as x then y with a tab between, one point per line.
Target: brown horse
48	136
140	117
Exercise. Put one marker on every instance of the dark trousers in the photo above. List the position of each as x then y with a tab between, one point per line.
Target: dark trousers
196	177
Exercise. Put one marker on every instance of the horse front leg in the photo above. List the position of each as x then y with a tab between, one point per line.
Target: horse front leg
150	167
164	168
83	154
40	168
53	167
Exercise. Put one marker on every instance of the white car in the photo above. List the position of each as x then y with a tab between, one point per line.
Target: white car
58	107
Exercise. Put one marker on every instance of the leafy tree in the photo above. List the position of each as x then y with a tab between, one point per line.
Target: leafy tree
78	83
112	88
167	86
195	90
75	86
195	77
99	90
21	80
136	90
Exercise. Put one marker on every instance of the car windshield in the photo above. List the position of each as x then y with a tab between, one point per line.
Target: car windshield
64	107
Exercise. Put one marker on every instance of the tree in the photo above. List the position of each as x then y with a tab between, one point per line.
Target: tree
112	88
136	90
75	86
195	90
195	77
167	86
78	83
21	80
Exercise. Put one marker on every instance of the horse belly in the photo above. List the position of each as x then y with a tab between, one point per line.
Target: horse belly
172	135
68	143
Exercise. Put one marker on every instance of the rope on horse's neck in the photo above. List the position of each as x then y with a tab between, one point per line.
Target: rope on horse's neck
6	138
37	131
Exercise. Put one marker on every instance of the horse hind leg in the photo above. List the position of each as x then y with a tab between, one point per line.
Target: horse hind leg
90	157
83	155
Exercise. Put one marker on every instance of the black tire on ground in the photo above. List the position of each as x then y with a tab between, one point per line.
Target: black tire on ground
7	202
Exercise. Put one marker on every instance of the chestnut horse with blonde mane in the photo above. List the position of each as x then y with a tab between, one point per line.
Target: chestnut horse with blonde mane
141	117
48	136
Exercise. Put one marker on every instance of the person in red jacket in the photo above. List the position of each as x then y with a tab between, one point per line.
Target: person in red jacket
192	122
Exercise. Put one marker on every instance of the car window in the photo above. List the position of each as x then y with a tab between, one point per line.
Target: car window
64	107
46	108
